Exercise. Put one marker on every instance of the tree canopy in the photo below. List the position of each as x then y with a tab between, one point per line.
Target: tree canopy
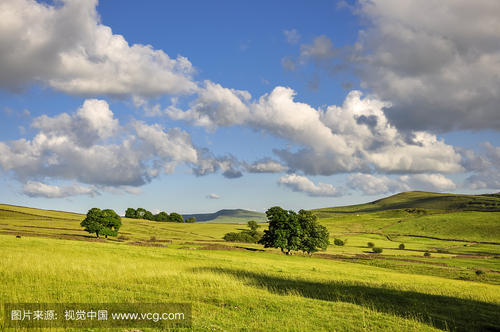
142	213
105	222
289	231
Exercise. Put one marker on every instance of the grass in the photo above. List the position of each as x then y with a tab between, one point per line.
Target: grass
466	225
232	289
241	286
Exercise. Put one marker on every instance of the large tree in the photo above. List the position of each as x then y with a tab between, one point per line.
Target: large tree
104	222
284	230
314	236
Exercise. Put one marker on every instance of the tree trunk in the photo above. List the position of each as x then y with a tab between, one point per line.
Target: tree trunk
97	234
106	236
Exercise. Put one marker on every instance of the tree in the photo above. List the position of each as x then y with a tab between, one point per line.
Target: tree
140	212
252	224
148	216
314	236
104	222
284	230
191	219
248	235
175	217
130	213
162	216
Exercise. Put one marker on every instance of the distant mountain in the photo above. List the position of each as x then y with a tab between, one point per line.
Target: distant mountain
226	216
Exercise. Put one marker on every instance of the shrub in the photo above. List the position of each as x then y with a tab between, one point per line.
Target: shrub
152	239
377	250
427	254
231	237
479	272
244	236
338	242
402	246
370	244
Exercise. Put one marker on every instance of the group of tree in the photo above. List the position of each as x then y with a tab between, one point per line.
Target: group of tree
289	231
141	213
251	235
102	222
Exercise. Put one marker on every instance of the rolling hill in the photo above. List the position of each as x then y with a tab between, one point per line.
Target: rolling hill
447	276
424	200
417	213
235	216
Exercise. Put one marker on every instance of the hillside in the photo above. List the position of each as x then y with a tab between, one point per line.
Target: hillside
236	216
424	200
447	276
417	213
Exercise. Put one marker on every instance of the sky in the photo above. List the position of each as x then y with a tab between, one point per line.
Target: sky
196	106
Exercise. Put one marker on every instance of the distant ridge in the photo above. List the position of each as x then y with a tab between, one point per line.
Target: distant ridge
236	216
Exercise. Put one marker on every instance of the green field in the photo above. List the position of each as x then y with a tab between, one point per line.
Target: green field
239	286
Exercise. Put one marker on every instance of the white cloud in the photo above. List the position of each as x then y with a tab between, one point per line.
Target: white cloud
303	184
90	147
437	61
292	36
215	106
39	189
356	136
208	163
376	185
485	167
213	196
428	182
320	50
67	48
266	166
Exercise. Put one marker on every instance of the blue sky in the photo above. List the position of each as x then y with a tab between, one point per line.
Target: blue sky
195	106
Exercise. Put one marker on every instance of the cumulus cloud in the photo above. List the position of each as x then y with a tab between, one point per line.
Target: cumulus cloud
356	136
39	189
90	147
215	106
428	182
376	185
208	163
437	61
484	165
67	48
300	183
213	196
266	165
321	49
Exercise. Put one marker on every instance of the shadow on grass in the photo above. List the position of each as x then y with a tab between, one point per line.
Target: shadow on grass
442	312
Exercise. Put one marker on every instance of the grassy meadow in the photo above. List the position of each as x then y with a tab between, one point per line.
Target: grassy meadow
241	286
